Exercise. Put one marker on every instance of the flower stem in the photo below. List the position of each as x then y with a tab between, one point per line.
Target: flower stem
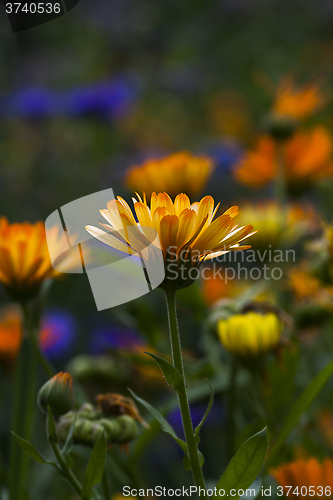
193	452
231	410
280	188
66	470
22	417
33	338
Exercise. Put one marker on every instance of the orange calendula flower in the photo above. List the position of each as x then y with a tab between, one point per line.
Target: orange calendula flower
298	102
306	159
177	173
305	473
24	257
188	233
10	334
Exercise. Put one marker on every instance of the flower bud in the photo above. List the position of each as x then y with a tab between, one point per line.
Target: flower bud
250	335
58	394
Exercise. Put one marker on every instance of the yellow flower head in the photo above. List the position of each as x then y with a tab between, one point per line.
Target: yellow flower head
251	334
174	174
307	472
306	158
297	102
187	231
24	257
277	224
10	335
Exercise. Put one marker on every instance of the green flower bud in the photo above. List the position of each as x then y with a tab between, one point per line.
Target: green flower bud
58	394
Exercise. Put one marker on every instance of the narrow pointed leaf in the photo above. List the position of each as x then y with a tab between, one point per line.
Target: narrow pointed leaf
301	405
245	466
166	427
211	399
95	467
31	451
172	375
68	446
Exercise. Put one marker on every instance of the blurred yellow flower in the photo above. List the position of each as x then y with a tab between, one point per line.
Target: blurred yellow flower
250	334
306	158
187	232
177	173
278	224
298	102
24	257
305	472
10	335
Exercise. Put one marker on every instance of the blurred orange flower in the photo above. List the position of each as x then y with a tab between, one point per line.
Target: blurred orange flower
298	102
24	257
10	334
325	426
306	158
177	173
307	473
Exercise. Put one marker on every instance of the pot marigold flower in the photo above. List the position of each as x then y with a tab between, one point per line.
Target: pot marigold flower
251	334
177	173
306	473
306	159
188	233
277	224
58	394
298	102
10	335
24	257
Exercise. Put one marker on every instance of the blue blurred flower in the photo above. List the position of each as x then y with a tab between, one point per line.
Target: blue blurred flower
34	102
216	416
57	334
110	98
225	155
107	338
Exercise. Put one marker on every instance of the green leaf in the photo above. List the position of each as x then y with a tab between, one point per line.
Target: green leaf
31	451
245	466
211	399
166	427
172	375
51	428
95	467
300	406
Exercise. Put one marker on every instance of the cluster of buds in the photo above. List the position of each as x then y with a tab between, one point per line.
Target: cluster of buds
117	421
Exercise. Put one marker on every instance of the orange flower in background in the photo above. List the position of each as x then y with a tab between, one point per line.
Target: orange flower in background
186	229
215	287
24	257
307	158
325	426
10	334
177	173
298	102
307	473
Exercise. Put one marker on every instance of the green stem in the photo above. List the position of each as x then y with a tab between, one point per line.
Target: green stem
66	470
232	404
270	418
280	188
193	452
105	485
22	417
33	338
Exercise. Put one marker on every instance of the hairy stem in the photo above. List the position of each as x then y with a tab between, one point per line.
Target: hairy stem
193	452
